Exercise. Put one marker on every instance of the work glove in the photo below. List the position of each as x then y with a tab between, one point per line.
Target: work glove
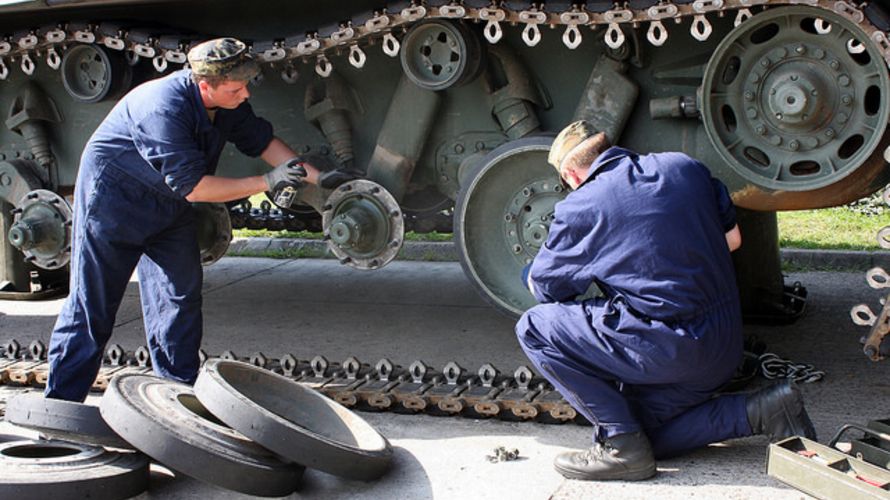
334	178
285	180
290	173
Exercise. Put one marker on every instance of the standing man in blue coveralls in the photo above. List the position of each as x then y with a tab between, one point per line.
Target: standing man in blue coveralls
153	155
643	359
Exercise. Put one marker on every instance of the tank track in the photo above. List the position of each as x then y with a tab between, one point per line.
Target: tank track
487	393
327	46
877	278
520	396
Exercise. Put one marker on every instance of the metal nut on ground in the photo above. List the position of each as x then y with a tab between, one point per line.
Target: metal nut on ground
37	470
165	420
293	421
66	420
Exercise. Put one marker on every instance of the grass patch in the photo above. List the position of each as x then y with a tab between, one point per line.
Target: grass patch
265	233
852	227
839	228
831	228
309	235
281	253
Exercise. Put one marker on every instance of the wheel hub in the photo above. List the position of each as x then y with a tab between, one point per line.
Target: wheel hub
528	216
363	224
798	98
42	229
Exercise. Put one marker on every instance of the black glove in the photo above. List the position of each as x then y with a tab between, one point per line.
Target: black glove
333	178
285	180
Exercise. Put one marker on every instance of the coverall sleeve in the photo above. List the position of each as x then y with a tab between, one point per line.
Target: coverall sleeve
725	206
250	133
557	271
167	142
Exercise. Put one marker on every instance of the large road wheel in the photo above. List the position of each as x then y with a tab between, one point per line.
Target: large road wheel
502	217
295	422
165	420
796	101
37	470
66	420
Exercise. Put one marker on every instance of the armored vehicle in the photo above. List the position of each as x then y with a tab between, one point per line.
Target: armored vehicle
451	106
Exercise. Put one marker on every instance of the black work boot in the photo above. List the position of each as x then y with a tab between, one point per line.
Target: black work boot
778	412
625	457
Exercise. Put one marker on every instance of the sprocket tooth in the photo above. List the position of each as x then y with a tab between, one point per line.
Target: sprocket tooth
357	57
884	237
319	365
877	278
290	74
657	33
492	31
28	65
822	26
453	372
531	35
53	60
855	46
391	45
614	36
572	37
701	28
862	315
741	16
384	368
160	63
323	66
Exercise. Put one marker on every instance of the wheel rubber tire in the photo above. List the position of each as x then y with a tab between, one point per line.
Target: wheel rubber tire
295	422
165	420
61	470
65	420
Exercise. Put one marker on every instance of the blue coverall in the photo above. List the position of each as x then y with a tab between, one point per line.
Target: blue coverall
130	212
650	353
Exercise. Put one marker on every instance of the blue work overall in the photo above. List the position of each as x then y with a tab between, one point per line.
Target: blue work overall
666	333
130	212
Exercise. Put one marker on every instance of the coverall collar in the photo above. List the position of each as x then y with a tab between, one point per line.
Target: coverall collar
606	157
204	121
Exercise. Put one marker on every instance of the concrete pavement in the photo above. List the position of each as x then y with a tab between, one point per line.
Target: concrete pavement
429	311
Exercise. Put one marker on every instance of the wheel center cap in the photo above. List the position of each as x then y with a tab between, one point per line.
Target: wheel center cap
789	101
346	232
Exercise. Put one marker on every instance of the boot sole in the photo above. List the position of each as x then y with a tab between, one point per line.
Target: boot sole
628	475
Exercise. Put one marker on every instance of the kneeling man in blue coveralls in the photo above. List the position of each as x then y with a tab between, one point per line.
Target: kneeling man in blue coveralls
153	155
643	359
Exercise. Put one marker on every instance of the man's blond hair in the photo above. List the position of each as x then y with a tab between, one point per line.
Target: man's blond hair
584	154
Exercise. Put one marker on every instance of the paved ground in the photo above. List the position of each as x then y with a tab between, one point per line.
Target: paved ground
412	310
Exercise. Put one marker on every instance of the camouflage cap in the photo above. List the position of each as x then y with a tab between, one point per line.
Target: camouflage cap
570	137
224	57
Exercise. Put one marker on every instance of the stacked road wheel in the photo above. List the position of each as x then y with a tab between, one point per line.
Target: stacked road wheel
65	420
37	470
166	421
293	421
